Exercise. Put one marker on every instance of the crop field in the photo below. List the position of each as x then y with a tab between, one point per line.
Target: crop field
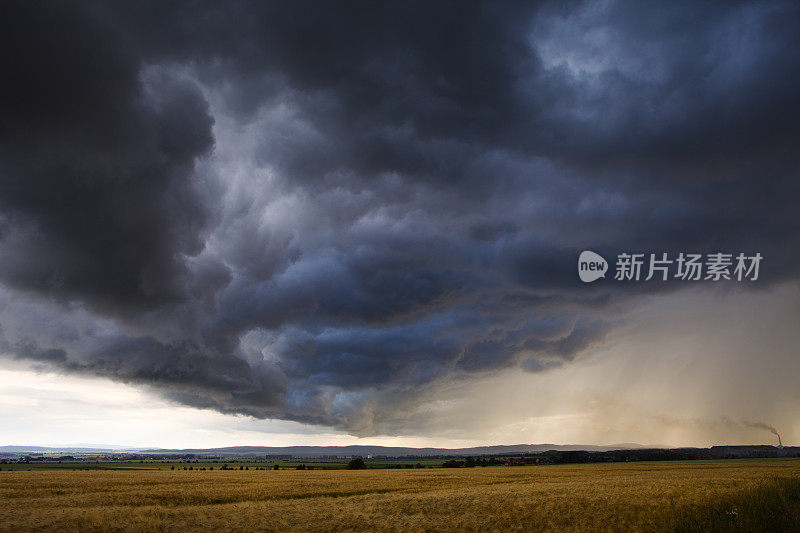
678	496
200	464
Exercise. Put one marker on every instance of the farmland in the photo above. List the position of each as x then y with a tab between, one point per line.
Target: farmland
233	463
640	496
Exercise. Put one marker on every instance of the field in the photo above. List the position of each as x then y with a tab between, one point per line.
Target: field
201	464
697	495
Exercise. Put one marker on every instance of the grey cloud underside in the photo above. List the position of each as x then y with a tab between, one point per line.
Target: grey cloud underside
317	212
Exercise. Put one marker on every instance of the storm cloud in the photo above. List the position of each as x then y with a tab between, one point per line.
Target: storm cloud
321	212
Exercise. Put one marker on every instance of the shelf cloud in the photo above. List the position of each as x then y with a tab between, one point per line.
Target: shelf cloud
321	213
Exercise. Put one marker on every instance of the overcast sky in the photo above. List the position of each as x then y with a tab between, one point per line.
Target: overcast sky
303	223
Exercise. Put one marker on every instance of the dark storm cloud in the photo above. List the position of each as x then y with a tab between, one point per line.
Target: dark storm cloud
312	211
95	164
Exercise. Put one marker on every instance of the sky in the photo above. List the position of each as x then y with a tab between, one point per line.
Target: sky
283	223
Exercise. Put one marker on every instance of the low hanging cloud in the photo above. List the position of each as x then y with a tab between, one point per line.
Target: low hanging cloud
315	212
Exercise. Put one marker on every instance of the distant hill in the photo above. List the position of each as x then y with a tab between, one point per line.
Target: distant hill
330	451
65	449
528	453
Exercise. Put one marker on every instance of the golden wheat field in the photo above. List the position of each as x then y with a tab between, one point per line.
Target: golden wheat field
608	497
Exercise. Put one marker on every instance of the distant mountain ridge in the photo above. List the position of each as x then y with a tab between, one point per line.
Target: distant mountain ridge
332	451
64	449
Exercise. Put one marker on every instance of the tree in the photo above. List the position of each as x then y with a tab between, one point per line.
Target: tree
356	463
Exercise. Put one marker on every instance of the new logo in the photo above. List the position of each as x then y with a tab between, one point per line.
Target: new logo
591	266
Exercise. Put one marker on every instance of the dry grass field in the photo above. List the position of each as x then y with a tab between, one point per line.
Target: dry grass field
596	497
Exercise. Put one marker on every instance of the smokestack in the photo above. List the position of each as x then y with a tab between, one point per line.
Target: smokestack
780	445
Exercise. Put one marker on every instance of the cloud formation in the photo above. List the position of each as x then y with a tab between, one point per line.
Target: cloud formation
317	212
